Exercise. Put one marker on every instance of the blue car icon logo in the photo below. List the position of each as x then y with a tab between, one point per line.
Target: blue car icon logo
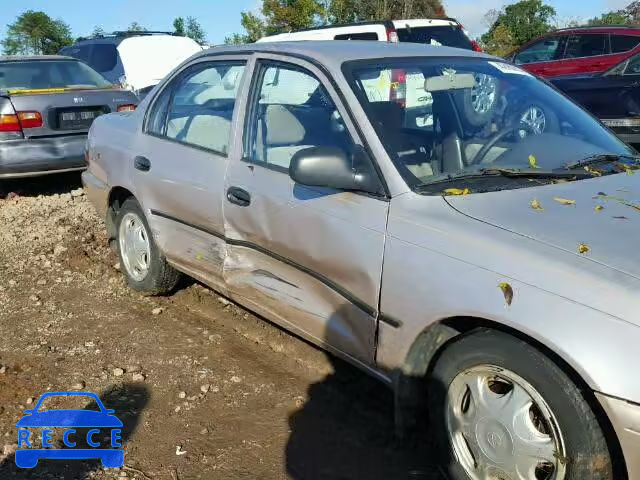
69	419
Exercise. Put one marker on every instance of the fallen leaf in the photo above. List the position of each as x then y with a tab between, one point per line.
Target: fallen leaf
598	208
564	201
593	171
535	204
457	191
583	248
179	450
620	218
507	291
533	161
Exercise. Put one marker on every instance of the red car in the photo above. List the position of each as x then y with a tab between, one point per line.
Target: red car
574	51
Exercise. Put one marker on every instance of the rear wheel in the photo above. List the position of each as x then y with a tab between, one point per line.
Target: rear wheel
505	411
146	269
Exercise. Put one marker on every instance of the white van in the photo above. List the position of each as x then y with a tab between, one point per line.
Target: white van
431	31
136	60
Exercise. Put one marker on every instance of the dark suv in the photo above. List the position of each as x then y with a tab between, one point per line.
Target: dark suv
578	50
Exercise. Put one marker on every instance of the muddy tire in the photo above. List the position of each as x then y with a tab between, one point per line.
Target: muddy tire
146	269
501	409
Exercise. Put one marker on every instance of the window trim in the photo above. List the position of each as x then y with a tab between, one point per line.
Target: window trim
170	84
259	70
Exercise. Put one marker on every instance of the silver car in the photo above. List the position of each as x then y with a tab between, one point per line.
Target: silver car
441	219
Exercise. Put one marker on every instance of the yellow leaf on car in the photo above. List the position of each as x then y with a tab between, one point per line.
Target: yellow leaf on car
593	171
457	191
533	161
564	201
507	291
598	208
583	248
535	204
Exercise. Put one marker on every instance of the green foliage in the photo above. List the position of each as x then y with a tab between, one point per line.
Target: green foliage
348	11
610	18
178	27
517	24
136	27
254	28
35	33
195	31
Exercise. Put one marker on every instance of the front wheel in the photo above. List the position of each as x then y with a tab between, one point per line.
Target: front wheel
505	411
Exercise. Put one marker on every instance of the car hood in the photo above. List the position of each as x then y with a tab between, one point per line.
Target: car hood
587	232
600	214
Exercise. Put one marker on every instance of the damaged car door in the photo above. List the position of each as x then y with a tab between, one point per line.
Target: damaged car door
181	161
309	258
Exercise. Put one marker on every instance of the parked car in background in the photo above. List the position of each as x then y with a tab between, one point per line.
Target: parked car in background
47	104
613	96
136	60
581	50
429	31
477	264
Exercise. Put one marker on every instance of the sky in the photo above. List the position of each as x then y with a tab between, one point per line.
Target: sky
221	18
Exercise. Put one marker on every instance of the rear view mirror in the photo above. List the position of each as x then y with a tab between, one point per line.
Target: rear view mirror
451	81
332	167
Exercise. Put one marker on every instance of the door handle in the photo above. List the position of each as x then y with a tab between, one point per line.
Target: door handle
239	196
142	163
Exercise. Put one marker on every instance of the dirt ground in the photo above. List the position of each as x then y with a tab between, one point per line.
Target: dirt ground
204	388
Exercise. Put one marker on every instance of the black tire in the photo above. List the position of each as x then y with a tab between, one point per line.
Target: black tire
161	277
587	453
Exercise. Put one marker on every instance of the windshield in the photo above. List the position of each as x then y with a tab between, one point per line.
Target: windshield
448	35
440	119
42	74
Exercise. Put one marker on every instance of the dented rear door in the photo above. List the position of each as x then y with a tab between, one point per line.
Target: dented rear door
307	258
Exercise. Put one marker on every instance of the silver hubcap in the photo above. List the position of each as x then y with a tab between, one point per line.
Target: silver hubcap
534	118
483	94
501	428
134	246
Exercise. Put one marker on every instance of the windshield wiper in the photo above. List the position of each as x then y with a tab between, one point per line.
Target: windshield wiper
601	158
508	173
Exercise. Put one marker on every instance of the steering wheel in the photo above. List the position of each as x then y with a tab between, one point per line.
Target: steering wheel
499	135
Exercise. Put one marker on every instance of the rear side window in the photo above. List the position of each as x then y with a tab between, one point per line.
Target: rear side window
201	107
579	46
450	36
357	36
624	43
103	57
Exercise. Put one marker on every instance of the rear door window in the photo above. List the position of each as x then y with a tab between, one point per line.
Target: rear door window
448	35
357	36
624	43
104	57
590	45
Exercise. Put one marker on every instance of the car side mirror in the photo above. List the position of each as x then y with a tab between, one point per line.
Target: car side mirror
334	168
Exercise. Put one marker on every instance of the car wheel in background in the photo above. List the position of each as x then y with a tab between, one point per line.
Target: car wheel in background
145	268
506	411
479	102
538	119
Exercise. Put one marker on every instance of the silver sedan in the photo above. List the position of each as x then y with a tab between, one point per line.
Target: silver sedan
440	218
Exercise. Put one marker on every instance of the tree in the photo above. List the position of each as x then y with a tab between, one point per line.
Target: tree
518	23
178	27
36	33
347	11
136	27
611	18
98	31
195	31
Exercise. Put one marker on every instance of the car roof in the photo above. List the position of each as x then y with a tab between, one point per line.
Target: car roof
335	52
34	58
